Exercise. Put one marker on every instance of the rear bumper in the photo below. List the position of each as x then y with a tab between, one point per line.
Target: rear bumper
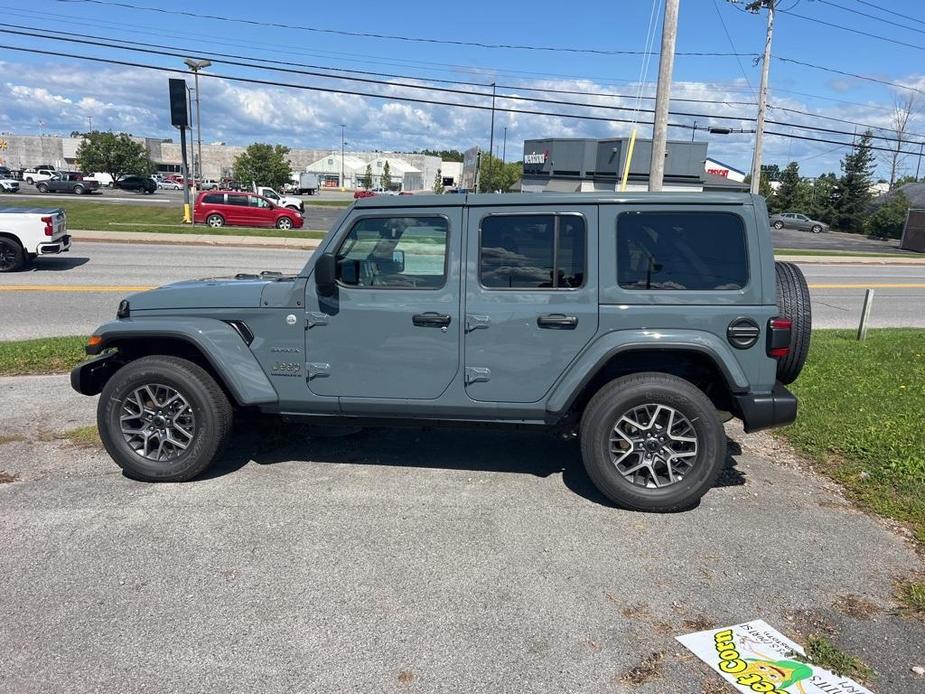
775	409
62	245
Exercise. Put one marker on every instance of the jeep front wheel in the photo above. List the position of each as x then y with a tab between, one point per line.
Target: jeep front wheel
652	442
163	419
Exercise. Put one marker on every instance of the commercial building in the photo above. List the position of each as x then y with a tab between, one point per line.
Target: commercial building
588	165
408	171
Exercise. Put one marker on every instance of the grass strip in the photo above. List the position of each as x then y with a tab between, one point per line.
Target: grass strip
47	355
862	405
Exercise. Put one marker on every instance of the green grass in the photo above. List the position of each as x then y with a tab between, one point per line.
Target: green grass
42	356
326	203
822	652
912	595
852	254
862	405
163	219
85	437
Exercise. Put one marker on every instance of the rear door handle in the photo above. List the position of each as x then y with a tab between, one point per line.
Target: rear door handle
431	319
557	321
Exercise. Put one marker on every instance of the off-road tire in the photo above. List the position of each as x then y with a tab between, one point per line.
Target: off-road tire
794	303
621	395
12	256
212	411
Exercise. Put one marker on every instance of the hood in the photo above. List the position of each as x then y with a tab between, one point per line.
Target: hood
240	291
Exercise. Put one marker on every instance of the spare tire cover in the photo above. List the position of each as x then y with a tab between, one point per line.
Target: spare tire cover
793	303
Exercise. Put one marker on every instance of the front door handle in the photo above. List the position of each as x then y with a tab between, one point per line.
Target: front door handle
557	321
431	319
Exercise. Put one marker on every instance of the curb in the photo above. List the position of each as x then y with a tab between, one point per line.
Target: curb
848	260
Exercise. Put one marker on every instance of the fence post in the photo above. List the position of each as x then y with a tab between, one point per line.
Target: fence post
865	314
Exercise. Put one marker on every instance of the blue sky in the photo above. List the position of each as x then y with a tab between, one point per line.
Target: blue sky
62	92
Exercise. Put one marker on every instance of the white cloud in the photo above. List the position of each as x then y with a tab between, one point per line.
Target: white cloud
63	94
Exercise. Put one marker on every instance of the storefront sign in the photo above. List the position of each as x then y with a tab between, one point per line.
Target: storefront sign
753	657
535	158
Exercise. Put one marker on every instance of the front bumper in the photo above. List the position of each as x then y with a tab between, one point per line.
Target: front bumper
90	376
775	409
62	245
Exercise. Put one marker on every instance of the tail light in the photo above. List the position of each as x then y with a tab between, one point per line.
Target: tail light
49	226
779	331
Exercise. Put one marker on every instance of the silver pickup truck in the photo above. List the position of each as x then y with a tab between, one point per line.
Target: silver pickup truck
28	232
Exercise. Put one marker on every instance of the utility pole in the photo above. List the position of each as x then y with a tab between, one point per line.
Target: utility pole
90	123
693	131
196	66
663	96
918	166
762	90
504	149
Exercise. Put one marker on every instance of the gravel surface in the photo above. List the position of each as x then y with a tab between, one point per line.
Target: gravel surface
437	561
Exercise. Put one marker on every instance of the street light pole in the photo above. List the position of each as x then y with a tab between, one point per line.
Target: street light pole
196	66
342	145
663	96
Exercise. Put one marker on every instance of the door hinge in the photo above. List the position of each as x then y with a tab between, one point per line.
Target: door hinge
474	322
314	318
475	374
318	368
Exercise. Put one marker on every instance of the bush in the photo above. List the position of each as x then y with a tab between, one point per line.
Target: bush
889	219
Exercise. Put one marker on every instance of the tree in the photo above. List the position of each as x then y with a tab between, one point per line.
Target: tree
793	193
385	181
117	155
889	219
265	165
764	189
444	154
852	194
904	112
495	175
770	172
438	182
367	179
822	198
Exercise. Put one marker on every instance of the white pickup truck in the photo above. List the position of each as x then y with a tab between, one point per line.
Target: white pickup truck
28	232
281	200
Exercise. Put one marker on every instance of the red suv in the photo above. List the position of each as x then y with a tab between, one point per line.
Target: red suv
220	207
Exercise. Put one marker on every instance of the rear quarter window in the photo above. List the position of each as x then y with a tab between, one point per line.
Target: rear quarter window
693	251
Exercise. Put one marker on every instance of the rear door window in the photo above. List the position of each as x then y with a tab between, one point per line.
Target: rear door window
701	251
240	200
214	199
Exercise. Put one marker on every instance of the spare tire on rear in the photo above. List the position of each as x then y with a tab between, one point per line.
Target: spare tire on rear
793	303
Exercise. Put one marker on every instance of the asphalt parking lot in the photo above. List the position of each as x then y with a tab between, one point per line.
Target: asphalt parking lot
414	560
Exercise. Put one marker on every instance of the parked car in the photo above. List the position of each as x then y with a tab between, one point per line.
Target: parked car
795	220
635	322
137	184
26	233
65	182
209	184
231	208
360	194
33	176
169	185
8	184
292	203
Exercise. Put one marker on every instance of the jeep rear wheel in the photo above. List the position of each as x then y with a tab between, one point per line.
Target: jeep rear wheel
652	442
163	419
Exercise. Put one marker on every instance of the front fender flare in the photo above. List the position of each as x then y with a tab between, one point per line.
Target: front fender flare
217	341
599	352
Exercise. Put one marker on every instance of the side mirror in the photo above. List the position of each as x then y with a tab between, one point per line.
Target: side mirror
326	274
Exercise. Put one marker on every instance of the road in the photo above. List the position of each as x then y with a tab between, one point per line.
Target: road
835	241
427	560
73	293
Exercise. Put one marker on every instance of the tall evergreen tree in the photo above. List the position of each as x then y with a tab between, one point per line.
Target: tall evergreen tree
385	181
853	194
789	189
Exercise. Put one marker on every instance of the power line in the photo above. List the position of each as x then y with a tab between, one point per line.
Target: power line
896	85
373	35
897	14
731	44
177	52
869	16
373	95
834	26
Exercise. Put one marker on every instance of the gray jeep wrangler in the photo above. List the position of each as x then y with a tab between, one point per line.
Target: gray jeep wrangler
639	322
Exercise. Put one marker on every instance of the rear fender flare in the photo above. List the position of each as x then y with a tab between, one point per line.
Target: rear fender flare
217	341
598	353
